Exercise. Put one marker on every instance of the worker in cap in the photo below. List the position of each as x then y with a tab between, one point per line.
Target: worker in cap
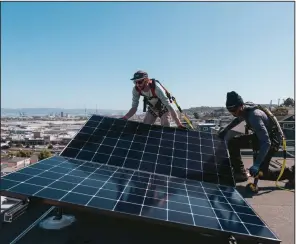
264	139
155	97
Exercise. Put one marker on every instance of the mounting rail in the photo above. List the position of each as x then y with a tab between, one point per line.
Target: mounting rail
12	208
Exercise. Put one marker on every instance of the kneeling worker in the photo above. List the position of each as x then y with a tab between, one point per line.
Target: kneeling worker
265	139
158	103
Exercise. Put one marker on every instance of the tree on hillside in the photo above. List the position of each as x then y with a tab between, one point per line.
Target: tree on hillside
289	102
24	154
196	115
44	154
11	154
280	111
50	146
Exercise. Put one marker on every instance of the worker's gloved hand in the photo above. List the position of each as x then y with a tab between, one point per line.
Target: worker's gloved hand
254	170
182	127
222	133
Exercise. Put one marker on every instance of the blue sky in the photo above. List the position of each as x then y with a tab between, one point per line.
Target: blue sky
71	55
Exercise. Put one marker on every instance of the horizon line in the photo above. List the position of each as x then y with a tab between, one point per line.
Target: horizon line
215	106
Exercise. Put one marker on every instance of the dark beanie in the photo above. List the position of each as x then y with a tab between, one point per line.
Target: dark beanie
233	100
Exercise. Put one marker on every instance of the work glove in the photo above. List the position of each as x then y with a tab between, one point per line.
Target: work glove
254	170
222	133
182	127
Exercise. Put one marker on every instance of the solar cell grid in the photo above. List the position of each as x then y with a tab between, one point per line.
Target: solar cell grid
137	193
153	149
126	167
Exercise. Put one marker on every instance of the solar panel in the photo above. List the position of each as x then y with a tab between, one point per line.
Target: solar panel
153	149
157	197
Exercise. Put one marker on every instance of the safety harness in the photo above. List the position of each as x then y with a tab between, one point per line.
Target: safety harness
159	104
146	100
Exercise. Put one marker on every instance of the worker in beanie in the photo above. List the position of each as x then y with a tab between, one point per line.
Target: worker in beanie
233	101
263	139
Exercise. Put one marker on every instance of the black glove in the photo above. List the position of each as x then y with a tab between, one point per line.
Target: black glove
182	127
221	133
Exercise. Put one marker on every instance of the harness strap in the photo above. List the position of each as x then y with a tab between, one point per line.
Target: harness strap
274	129
268	114
146	99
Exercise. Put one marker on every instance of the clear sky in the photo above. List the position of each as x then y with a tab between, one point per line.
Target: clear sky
71	55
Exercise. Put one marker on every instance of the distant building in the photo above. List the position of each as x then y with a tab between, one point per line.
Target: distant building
15	162
46	139
34	141
4	145
205	127
34	159
37	134
287	124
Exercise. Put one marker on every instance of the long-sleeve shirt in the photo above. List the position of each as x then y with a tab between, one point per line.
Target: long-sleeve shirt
260	124
160	93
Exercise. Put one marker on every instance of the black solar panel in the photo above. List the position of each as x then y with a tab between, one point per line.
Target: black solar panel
153	149
151	172
112	189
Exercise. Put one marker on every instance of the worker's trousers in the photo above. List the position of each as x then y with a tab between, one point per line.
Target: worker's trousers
150	119
251	142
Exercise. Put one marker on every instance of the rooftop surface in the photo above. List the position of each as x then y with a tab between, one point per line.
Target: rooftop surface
273	205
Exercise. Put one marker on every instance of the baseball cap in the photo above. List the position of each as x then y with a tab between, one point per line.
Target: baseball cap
140	74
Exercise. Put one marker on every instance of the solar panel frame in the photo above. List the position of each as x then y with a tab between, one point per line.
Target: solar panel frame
75	191
187	203
219	173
